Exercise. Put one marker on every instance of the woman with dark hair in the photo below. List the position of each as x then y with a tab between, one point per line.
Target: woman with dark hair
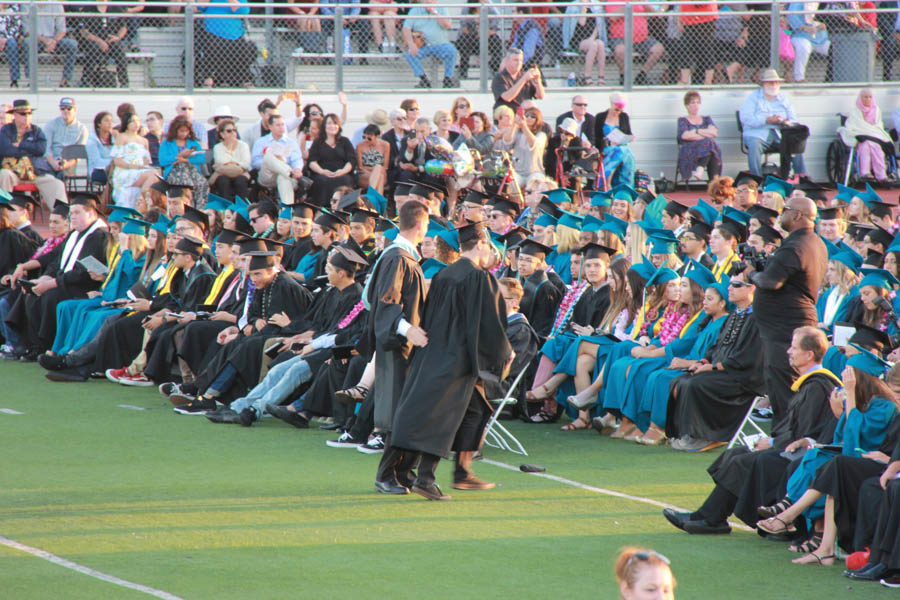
479	137
697	147
99	147
372	155
231	162
182	157
132	175
332	160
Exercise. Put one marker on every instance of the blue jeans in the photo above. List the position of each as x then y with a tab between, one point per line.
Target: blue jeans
444	52
66	46
11	337
279	382
755	154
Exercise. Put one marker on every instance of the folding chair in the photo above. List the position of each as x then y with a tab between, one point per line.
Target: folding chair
495	434
78	153
767	167
748	439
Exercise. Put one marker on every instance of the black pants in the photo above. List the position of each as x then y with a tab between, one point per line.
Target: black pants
778	374
229	187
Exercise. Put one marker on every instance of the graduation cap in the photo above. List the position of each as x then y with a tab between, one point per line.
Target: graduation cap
870	338
242	223
476	197
765	216
700	275
878	278
514	236
877	235
172	227
382	225
676	207
217	203
427	190
273	244
251	244
813	191
120	213
392	234
434	228
662	275
534	248
591	223
162	224
284	212
60	209
507	207
190	245
550	208
22	200
262	260
198	217
593	250
135	226
745	177
769	234
705	211
560	195
303	210
721	288
848	257
451	238
470	232
831	247
623	191
874	258
347	258
329	221
867	362
647	197
362	215
567	219
378	201
545	220
859	231
85	199
869	196
880	209
402	188
160	185
177	191
701	230
349	200
779	186
601	199
228	236
661	245
644	269
615	225
431	267
831	214
653	211
845	194
736	228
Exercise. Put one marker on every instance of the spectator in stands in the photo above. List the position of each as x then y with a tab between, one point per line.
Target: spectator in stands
394	138
697	147
807	35
731	42
61	131
385	24
429	36
226	53
372	155
185	108
99	147
182	157
260	128
864	129
763	115
332	160
583	119
528	36
51	36
512	86
278	159
131	174
523	138
697	26
11	31
609	128
103	35
154	135
22	150
308	26
379	118
479	138
461	108
442	125
643	573
469	39
231	163
589	35
212	134
643	43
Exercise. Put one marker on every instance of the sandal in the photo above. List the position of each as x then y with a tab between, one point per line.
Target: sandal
604	426
825	561
541	417
579	423
623	431
775	509
808	546
353	395
768	526
532	396
653	437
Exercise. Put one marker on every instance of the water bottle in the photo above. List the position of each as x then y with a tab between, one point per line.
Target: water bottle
347	47
570	80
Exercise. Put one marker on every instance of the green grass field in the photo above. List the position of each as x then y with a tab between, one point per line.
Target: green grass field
220	511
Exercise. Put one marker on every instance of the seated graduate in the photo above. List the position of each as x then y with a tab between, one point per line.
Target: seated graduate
694	241
325	232
522	337
542	294
21	258
723	244
34	315
302	216
746	478
842	281
707	403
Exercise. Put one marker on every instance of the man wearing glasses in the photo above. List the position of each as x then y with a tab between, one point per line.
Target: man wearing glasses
64	130
583	119
185	108
787	290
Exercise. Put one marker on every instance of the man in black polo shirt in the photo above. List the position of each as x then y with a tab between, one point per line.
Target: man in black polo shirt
512	86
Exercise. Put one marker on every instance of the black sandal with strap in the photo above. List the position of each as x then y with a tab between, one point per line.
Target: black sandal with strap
808	546
775	509
352	395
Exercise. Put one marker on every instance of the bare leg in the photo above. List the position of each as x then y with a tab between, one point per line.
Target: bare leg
824	555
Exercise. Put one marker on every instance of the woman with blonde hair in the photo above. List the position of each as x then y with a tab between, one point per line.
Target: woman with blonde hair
841	279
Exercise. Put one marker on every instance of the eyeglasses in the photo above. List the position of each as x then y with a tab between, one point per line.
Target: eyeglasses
23	113
315	113
229	130
256	218
66	108
739	284
648	556
462	105
579	104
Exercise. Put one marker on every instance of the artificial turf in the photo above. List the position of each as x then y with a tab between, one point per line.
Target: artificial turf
220	511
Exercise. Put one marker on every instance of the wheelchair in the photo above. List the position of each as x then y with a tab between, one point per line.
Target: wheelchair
842	160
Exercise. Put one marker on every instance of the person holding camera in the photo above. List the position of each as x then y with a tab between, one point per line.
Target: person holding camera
786	292
512	86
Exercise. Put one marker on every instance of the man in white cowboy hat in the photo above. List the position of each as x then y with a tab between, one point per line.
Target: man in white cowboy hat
764	114
377	117
25	145
221	112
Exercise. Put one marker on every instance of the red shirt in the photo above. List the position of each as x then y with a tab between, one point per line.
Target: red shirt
617	23
688	19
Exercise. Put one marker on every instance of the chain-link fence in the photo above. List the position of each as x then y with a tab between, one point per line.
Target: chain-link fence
378	45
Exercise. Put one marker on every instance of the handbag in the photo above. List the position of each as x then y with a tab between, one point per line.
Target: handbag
21	166
231	171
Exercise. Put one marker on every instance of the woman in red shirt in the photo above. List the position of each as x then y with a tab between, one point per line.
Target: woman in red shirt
696	25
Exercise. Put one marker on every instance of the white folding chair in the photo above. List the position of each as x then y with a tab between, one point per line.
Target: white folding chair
748	438
495	434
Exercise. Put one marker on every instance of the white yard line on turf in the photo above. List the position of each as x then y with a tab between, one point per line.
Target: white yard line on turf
604	491
68	564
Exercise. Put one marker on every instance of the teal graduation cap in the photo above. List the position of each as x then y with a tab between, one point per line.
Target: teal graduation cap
644	269
831	247
135	226
869	197
572	220
779	186
391	234
653	212
283	213
867	362
560	195
662	245
736	215
218	203
616	225
431	267
450	237
120	213
591	223
845	193
662	275
162	224
545	220
878	278
701	275
379	202
623	191
848	257
601	199
705	210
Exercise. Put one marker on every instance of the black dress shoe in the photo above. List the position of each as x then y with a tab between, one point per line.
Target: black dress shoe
431	491
223	415
702	526
869	572
67	376
678	519
29	356
391	487
52	362
332	427
288	416
246	417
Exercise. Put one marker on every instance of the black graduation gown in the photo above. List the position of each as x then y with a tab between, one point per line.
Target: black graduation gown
525	344
540	301
591	307
886	541
15	248
710	405
466	323
396	291
300	248
198	345
32	234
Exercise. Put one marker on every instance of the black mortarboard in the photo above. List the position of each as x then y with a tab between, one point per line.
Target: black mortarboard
262	260
769	234
746	177
507	207
427	190
251	244
476	197
85	199
176	191
349	200
880	209
674	207
765	216
646	197
870	338
402	188
593	250
61	209
160	185
329	220
348	259
738	229
242	224
191	245
813	191
533	248
471	232
228	236
551	209
874	258
514	236
880	236
830	214
701	229
273	245
22	200
382	225
361	215
196	216
859	230
303	210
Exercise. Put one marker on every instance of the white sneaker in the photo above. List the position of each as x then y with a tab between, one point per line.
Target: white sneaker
373	446
345	441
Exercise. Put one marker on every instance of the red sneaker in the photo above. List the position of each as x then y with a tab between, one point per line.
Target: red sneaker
115	374
139	380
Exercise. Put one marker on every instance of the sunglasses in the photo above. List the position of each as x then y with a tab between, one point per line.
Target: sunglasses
229	130
462	105
648	555
315	113
739	284
255	219
530	115
579	104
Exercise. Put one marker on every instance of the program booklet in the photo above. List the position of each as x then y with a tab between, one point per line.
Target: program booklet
93	265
